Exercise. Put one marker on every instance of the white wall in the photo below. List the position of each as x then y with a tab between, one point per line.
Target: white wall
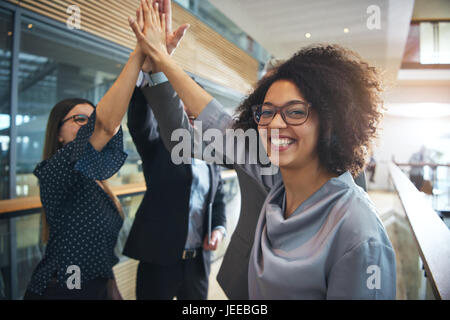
434	9
402	136
418	113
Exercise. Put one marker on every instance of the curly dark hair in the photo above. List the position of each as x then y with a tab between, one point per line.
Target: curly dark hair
343	90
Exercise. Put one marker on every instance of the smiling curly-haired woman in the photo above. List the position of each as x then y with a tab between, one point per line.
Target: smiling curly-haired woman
345	94
318	234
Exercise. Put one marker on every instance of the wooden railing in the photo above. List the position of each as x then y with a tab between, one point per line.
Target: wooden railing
33	203
431	234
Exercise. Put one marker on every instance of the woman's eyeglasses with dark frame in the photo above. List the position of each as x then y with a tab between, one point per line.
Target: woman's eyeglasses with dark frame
80	119
294	113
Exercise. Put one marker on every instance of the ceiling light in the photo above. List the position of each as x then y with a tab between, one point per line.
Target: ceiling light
346	30
308	35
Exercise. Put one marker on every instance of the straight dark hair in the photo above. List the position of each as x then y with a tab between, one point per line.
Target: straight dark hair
58	113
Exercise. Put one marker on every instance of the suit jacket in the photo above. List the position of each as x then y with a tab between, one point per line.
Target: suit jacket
159	231
233	273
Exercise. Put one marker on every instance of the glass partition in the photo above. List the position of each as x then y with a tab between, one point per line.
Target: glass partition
6	33
4	260
412	283
53	66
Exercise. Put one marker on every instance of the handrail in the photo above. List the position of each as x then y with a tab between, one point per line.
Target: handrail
422	164
431	234
32	203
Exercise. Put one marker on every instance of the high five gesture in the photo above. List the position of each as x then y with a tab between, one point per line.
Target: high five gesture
152	38
150	31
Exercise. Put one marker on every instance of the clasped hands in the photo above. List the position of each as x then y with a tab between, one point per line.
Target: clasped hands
153	30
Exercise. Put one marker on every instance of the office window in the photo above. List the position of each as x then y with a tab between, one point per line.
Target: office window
54	65
6	32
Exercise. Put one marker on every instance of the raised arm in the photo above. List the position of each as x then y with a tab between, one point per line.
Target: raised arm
142	124
112	107
173	38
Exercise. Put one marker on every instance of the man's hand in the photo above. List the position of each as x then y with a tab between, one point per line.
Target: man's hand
216	238
173	39
147	66
152	38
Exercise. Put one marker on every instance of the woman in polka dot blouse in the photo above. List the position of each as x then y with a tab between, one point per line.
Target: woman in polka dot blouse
83	147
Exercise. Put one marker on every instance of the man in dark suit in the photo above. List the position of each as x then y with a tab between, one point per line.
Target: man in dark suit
182	207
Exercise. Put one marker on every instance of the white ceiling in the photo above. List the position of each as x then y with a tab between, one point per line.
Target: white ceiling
280	26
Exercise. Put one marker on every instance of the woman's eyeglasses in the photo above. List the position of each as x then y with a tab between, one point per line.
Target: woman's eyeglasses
293	114
80	119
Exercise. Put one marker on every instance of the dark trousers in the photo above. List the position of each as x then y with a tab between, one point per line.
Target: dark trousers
90	290
186	280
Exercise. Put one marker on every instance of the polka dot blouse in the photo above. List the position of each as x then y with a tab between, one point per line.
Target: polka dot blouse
83	220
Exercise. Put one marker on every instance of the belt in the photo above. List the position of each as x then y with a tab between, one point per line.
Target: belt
190	253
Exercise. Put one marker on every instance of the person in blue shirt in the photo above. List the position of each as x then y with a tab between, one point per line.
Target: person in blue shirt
83	148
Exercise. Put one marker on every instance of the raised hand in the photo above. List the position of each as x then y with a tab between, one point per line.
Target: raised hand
173	39
152	42
147	66
152	37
